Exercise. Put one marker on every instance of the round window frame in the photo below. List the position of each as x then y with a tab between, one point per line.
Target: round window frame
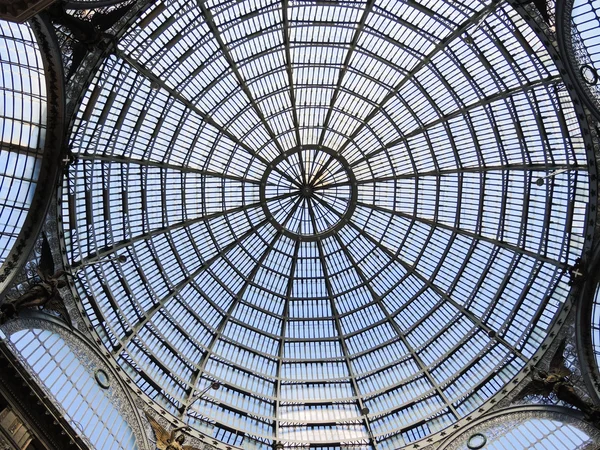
478	445
98	374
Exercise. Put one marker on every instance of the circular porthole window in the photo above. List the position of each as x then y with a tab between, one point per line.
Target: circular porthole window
476	441
102	378
589	74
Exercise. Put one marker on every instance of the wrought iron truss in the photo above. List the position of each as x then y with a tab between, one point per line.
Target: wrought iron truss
330	208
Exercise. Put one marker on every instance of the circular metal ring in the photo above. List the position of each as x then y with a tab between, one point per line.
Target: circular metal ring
476	441
307	191
590	70
102	378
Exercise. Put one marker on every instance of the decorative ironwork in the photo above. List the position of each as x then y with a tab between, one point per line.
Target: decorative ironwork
43	292
578	28
556	381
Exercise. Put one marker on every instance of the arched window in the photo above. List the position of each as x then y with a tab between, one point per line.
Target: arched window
78	391
538	433
522	428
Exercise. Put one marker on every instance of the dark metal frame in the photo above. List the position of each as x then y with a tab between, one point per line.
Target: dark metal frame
351	182
585	307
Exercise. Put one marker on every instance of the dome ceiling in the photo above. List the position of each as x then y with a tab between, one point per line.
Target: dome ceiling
330	208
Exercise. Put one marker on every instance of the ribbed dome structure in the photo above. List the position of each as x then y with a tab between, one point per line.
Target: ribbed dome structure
355	216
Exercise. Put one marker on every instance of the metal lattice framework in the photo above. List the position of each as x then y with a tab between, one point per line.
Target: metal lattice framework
331	208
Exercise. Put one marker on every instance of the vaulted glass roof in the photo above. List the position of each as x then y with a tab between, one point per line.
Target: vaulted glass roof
334	209
22	128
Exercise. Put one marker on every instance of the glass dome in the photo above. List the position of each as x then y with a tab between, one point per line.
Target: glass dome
355	216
